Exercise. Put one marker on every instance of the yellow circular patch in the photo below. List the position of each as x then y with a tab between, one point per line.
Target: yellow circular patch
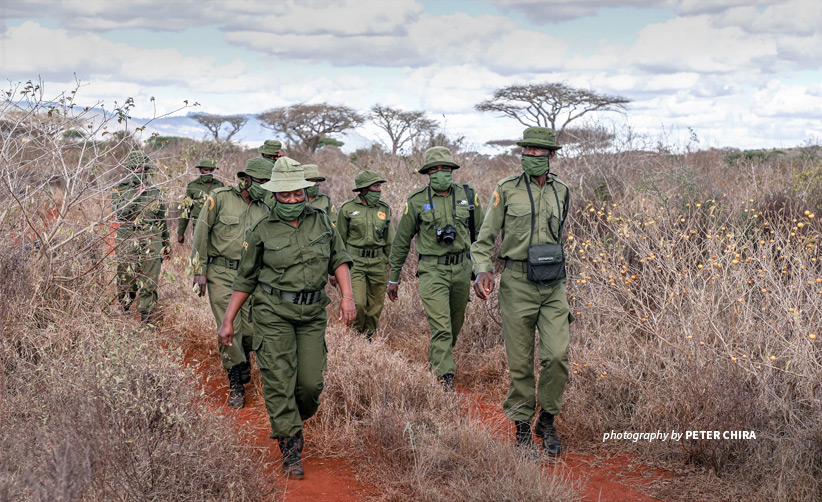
380	215
406	208
476	199
211	204
245	245
496	198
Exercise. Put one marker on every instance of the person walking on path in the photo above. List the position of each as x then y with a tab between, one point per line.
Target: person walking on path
196	193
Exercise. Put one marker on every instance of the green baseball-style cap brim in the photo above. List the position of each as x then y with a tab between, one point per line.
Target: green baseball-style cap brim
270	147
257	167
438	156
365	179
539	137
288	175
312	172
207	164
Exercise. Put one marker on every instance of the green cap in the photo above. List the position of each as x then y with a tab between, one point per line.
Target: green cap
257	167
288	175
365	179
270	147
438	156
137	159
207	163
312	172
539	137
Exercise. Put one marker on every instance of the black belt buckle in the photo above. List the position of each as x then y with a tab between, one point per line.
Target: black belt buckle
232	264
452	259
368	253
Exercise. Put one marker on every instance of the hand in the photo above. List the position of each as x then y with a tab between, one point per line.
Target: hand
393	291
166	253
181	238
348	310
333	281
226	334
484	285
280	153
200	282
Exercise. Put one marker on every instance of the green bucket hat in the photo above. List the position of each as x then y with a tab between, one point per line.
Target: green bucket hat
539	137
365	179
137	159
270	147
438	156
312	172
257	167
288	175
207	163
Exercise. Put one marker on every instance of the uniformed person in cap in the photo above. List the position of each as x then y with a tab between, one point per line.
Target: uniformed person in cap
271	150
530	210
142	239
196	193
288	257
315	197
365	226
218	237
440	215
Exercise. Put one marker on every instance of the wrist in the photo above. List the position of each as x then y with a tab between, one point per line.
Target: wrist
393	282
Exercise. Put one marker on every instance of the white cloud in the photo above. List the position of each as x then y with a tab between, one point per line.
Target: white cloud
780	100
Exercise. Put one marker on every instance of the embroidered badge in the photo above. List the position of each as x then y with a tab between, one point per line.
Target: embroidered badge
476	199
210	203
355	213
462	202
245	245
380	215
496	198
406	208
428	207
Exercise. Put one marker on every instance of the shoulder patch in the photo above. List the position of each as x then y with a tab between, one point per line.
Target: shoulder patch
406	207
380	215
210	203
476	199
496	198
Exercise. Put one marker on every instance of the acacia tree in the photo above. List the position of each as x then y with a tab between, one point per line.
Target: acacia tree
214	123
402	126
549	104
305	124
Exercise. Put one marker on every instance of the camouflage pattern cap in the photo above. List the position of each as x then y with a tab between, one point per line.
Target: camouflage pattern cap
207	163
312	172
365	179
257	167
270	147
137	159
288	175
539	137
438	156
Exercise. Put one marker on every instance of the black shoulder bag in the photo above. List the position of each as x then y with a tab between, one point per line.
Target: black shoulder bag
546	262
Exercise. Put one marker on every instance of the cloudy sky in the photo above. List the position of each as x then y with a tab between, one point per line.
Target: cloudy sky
746	74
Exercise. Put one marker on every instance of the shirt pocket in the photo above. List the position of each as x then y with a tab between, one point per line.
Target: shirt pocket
357	229
518	219
463	216
318	248
230	227
427	220
279	254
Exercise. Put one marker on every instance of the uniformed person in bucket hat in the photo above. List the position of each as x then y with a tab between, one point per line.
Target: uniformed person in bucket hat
288	257
530	209
440	215
365	226
271	150
142	239
196	193
315	197
218	237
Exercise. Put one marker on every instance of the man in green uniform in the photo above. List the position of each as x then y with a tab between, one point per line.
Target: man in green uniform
315	198
271	150
288	257
440	214
142	240
218	245
196	193
365	226
530	209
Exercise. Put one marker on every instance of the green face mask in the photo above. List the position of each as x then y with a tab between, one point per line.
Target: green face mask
207	178
289	212
312	191
535	166
256	191
372	198
139	178
441	180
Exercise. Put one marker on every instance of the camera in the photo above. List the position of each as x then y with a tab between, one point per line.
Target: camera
446	234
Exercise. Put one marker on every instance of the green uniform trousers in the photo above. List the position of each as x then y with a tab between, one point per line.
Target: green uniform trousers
220	280
139	261
444	291
289	341
525	305
368	281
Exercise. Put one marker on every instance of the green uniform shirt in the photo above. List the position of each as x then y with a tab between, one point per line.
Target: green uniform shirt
196	193
419	218
510	211
363	226
222	225
323	202
143	213
288	258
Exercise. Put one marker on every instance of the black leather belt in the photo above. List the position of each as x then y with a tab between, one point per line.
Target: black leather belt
518	265
219	260
300	298
449	259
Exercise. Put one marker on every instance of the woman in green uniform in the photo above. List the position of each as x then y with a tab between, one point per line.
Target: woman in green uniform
288	256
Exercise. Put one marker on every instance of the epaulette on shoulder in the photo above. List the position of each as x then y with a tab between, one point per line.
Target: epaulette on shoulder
261	218
417	191
221	189
314	208
560	182
507	179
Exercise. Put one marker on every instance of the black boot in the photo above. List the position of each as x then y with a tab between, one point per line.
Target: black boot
245	371
292	449
524	437
548	432
236	394
447	382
